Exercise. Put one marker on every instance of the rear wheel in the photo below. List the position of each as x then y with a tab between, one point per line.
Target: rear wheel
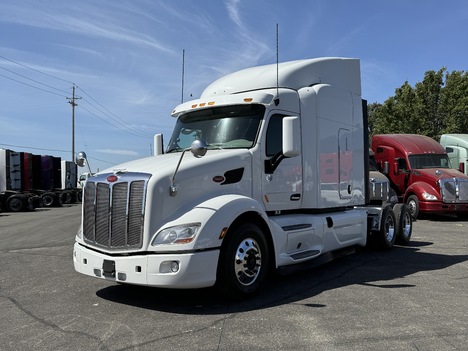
413	205
404	224
244	262
385	238
15	203
48	199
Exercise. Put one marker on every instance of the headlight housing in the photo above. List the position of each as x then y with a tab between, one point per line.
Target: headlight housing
428	196
79	232
180	234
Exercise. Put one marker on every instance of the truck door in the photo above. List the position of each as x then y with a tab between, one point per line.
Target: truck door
282	184
401	178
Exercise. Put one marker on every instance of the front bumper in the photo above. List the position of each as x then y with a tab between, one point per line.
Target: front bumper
440	207
195	270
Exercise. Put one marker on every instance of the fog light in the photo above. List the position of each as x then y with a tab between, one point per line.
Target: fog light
174	266
169	267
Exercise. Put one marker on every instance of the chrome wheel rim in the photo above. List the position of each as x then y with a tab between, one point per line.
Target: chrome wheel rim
248	262
389	229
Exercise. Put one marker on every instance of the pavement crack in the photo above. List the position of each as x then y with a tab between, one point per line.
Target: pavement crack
51	325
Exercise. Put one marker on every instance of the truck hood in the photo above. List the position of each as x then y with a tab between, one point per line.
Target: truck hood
439	173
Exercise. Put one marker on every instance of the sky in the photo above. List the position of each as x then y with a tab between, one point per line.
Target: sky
125	59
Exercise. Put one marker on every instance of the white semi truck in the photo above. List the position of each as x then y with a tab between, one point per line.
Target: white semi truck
279	179
456	146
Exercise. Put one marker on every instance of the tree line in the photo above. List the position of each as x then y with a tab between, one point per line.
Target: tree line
435	106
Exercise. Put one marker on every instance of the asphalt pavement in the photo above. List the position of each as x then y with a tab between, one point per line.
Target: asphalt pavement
408	298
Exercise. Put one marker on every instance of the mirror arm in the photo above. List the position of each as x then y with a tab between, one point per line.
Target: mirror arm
273	163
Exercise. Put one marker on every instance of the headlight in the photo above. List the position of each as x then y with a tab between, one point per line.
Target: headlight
428	196
181	234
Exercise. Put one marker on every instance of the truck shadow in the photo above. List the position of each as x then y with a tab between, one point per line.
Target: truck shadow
373	269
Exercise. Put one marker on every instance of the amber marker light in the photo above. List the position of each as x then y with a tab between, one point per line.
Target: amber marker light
248	100
223	233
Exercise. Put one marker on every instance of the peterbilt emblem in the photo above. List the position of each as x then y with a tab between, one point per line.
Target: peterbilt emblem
112	178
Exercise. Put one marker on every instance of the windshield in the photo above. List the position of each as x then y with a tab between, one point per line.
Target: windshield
226	127
429	161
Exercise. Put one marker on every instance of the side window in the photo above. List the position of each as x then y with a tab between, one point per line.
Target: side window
274	135
402	164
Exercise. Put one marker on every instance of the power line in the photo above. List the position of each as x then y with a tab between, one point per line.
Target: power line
35	81
113	114
36	70
32	86
121	124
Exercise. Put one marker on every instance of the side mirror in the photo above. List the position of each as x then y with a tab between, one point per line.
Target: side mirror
80	159
158	145
291	136
198	148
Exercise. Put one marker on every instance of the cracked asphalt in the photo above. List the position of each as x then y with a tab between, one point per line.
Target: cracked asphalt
409	298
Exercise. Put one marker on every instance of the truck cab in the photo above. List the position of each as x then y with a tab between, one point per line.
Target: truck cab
265	171
456	146
420	171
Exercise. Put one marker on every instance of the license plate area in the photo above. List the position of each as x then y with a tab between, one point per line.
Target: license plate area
108	269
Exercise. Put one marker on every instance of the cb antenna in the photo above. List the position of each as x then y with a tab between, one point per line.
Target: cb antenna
277	100
183	68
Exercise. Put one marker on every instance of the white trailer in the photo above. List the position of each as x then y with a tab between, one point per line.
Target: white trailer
279	179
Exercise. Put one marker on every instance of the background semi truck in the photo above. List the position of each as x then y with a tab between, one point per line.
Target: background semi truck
456	146
28	181
419	170
279	179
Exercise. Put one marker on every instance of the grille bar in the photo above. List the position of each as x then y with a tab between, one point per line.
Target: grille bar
113	215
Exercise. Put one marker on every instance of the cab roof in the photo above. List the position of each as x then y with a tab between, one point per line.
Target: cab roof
408	143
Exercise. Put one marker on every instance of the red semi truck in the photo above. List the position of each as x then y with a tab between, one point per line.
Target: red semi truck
420	172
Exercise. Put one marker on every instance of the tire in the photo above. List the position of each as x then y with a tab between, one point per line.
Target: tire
15	203
244	262
48	199
385	238
79	195
413	206
404	224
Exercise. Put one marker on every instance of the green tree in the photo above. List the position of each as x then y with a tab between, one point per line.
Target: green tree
436	105
454	102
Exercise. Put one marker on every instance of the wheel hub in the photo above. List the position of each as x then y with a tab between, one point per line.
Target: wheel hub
248	261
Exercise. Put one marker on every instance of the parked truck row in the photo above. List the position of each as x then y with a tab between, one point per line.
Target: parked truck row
422	173
280	179
28	181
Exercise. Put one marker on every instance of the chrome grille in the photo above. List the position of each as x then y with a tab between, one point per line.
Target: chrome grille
454	190
113	212
378	189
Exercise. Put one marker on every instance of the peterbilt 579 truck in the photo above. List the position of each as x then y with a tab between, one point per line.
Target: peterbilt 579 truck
419	170
278	178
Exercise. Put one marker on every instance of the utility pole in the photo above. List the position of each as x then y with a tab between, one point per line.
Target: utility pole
73	104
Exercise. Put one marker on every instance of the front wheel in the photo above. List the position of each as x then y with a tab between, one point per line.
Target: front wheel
243	262
413	205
